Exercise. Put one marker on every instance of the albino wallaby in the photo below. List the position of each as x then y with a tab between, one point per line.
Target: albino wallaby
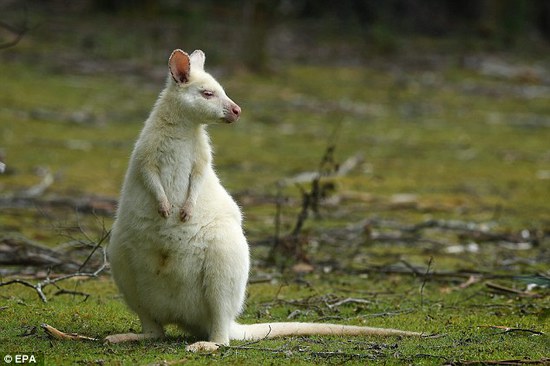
177	249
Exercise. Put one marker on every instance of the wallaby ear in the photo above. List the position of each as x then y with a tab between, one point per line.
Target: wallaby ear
197	59
180	66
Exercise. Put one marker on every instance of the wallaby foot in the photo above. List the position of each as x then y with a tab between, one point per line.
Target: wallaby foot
203	347
150	330
130	337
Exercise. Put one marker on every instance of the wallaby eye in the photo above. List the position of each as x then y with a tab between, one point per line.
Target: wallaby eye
207	94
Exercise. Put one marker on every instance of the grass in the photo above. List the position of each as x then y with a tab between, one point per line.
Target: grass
468	146
464	316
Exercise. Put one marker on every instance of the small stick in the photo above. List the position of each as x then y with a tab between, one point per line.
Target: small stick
495	286
347	301
506	329
424	282
57	334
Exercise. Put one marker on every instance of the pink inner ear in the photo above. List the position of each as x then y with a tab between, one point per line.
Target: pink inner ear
179	65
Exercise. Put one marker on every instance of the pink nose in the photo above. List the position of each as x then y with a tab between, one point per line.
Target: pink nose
236	110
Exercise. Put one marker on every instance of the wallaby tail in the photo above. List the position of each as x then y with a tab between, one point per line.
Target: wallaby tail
253	332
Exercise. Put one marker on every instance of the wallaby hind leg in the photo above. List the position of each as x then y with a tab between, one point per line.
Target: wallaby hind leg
225	276
149	330
219	334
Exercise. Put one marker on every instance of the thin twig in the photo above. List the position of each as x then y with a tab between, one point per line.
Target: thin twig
36	287
96	247
19	34
69	292
387	313
347	301
506	329
274	350
424	279
411	267
19	31
278	215
304	351
542	361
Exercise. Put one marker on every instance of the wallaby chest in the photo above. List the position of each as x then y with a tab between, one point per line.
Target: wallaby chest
175	160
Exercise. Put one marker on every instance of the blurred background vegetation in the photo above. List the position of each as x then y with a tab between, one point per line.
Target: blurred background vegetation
263	32
261	35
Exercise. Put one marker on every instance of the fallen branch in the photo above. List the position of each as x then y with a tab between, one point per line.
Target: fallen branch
41	285
542	361
467	230
84	204
394	269
511	329
504	289
17	250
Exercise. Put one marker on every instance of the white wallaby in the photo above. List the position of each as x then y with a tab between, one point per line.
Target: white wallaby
177	251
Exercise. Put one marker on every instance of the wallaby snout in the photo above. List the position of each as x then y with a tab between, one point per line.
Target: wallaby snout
232	113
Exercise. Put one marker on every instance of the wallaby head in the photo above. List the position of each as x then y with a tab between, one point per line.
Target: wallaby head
198	93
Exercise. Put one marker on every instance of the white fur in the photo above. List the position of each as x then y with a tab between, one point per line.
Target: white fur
177	250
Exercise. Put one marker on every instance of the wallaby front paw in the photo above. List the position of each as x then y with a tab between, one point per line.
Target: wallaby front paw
164	208
185	212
